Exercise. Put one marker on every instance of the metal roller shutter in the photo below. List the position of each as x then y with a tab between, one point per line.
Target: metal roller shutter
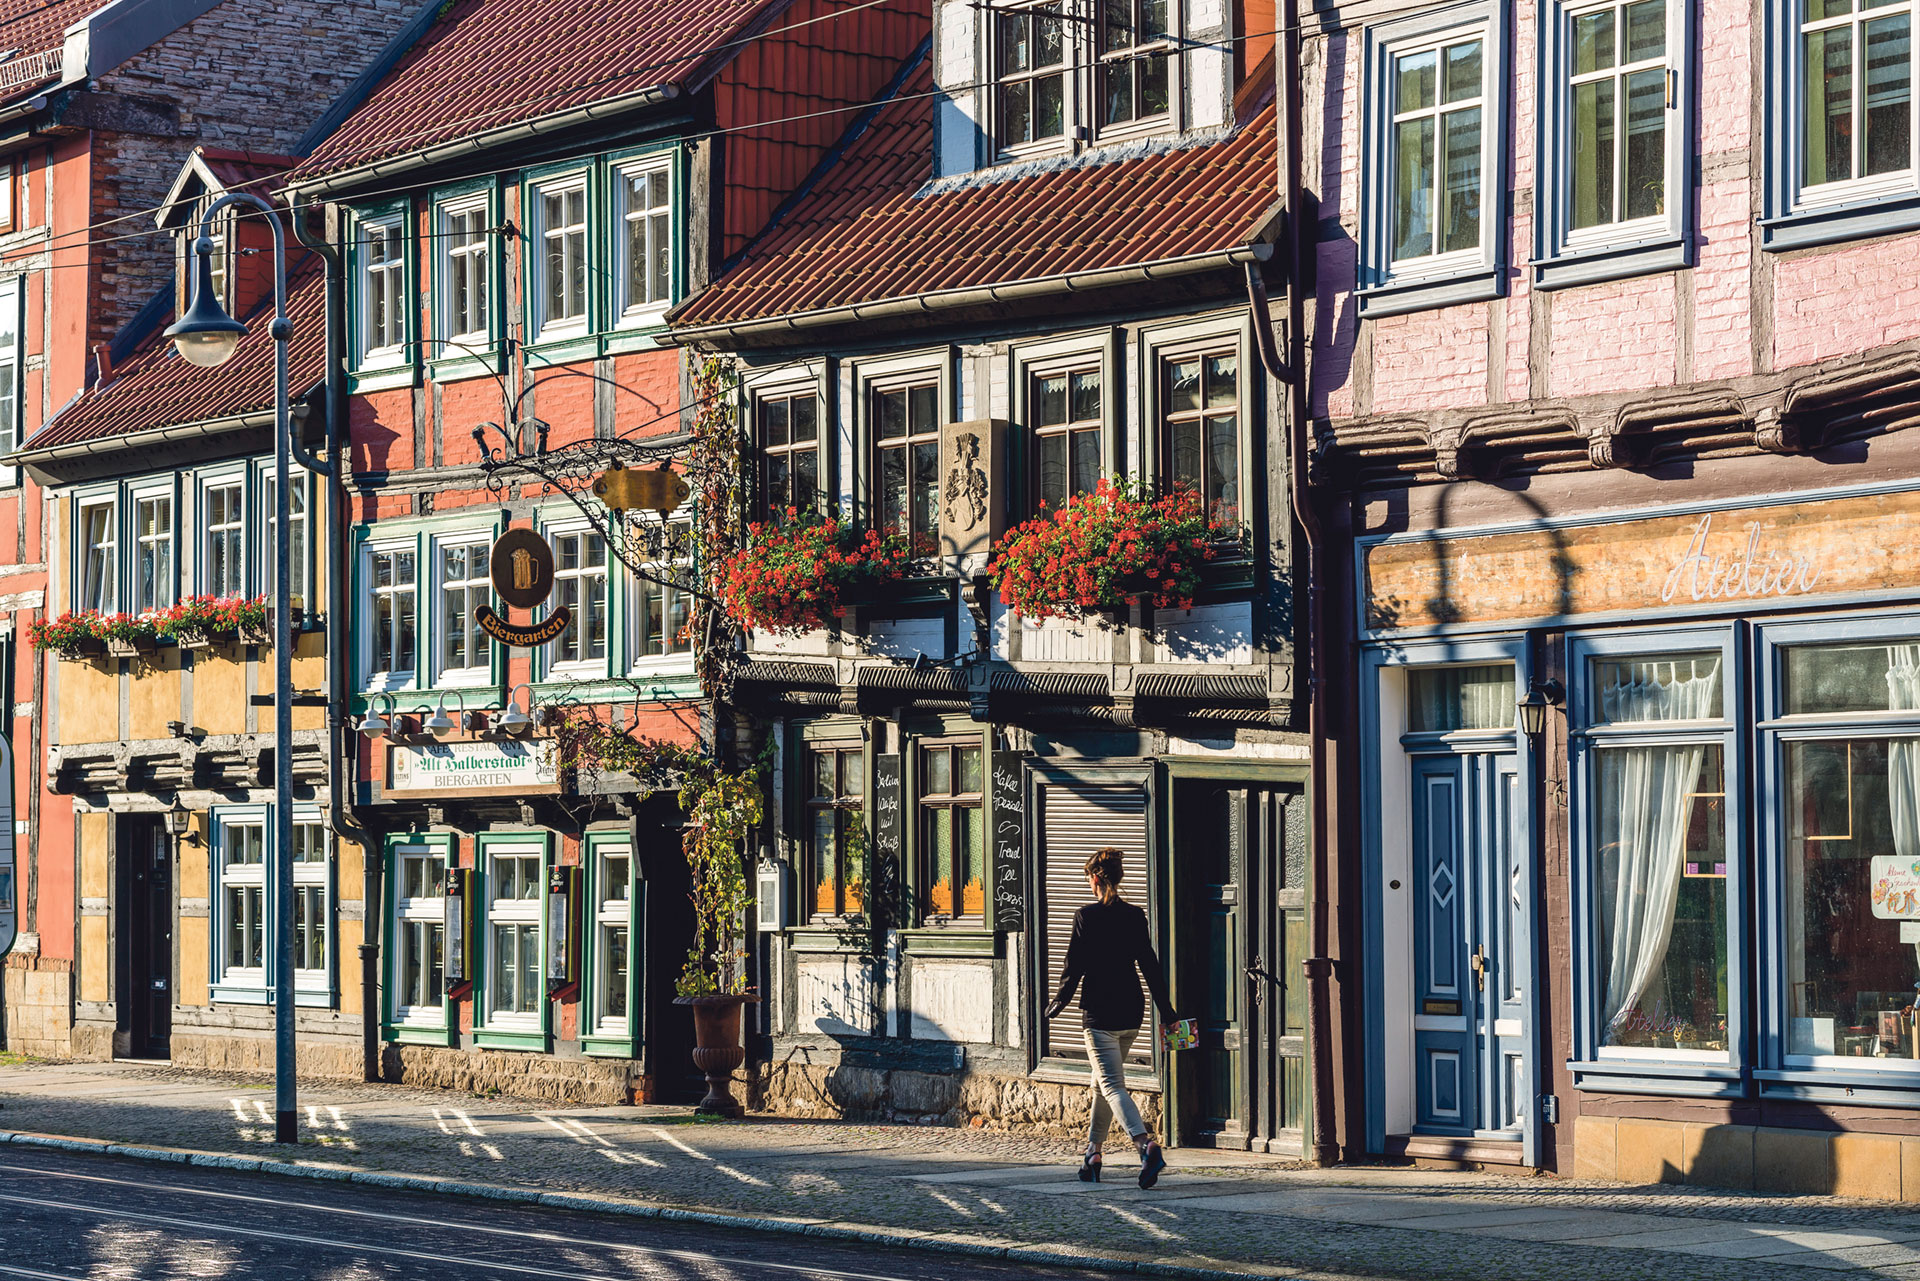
1075	820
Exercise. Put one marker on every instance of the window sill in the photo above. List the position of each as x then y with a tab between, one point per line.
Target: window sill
381	377
1398	297
1594	264
500	1039
482	363
853	938
418	1034
1633	1076
624	1046
1854	220
969	938
563	347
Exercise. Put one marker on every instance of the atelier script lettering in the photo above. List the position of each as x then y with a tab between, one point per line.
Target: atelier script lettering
1700	574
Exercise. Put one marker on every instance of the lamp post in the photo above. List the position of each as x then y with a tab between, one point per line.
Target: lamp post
207	336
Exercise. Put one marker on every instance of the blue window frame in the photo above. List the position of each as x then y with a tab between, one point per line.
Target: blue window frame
1840	127
1616	195
1433	160
1660	886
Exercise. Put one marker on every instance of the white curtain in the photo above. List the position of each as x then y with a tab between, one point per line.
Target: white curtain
1903	754
1644	800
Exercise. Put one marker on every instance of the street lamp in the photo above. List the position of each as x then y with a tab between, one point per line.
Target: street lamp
207	336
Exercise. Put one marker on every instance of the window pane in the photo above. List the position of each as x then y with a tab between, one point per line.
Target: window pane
1463	72
853	775
969	867
1661	833
1853	844
806	419
1460	220
889	414
1223	469
1646	30
939	772
1593	42
1086	396
1829	110
1186	453
923	408
1153	85
1814	10
1889	107
1050	400
1647	143
1852	678
1119	77
925	520
940	862
1183	386
1414	77
1223	382
1016	113
1086	461
893	489
966	763
613	979
1413	195
1458	698
825	862
1052	467
1593	153
1658	687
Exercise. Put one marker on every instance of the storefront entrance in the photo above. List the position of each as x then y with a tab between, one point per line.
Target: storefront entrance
144	930
1471	938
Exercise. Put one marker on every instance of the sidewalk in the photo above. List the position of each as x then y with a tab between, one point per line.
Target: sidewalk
965	1188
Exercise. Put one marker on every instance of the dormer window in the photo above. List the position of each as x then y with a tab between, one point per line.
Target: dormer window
1032	75
1072	72
1136	60
222	259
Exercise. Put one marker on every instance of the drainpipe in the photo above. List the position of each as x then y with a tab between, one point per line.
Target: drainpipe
342	815
1291	369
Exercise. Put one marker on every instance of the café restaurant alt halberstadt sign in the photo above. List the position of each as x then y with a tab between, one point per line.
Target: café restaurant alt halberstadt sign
1735	558
504	768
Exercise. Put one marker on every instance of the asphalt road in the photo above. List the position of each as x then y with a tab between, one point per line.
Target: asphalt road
66	1216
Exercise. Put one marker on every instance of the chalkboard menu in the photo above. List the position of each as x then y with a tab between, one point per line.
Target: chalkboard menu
1009	843
886	842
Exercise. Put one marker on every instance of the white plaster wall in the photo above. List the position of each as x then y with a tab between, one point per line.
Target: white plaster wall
906	637
1205	634
955	136
953	1001
836	996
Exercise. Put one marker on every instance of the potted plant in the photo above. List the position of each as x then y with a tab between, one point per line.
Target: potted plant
71	636
807	569
1105	550
128	635
721	807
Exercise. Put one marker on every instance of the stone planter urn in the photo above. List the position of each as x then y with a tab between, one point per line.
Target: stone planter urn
718	1052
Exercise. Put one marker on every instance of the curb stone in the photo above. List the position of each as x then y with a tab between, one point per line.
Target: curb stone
898	1237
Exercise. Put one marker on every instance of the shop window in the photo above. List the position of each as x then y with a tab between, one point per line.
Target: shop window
383	291
153	551
419	935
464	566
643	195
1136	61
240	856
612	938
1200	430
1452	699
952	832
300	567
514	999
1066	421
1431	150
1618	149
906	443
580	584
787	433
559	238
224	571
99	560
466	279
837	788
391	626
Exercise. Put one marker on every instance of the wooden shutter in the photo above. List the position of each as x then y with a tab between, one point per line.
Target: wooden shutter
1075	820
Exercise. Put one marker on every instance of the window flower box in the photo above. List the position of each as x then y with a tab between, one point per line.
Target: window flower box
71	637
199	622
1102	552
807	570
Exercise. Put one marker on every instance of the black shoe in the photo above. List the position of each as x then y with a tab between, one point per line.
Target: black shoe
1090	1168
1152	1161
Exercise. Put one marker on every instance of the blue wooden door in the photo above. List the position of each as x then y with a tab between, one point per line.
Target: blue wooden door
1472	942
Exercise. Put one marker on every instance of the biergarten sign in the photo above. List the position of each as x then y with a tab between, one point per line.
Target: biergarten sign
521	566
494	769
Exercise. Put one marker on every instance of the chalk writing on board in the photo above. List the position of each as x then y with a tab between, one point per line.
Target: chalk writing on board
1009	845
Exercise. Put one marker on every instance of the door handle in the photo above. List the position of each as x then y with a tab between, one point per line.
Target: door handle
1259	971
1479	963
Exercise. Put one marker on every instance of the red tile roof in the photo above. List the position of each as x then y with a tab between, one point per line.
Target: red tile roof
35	32
491	63
155	388
865	233
257	171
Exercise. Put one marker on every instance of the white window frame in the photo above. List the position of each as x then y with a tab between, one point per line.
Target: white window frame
639	664
517	913
243	982
235	527
86	548
473	674
12	329
300	485
649	310
428	911
311	876
544	327
609	914
455	259
387	230
1388	286
1858	188
589	668
383	681
166	589
1563	256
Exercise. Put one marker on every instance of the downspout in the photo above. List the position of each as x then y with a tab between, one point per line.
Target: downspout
342	814
1291	370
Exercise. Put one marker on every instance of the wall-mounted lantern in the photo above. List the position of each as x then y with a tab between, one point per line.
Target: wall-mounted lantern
1541	694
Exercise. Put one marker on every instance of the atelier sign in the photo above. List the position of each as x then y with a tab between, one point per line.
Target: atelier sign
506	767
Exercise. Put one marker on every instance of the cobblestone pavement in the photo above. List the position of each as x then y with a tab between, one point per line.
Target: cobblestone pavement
960	1186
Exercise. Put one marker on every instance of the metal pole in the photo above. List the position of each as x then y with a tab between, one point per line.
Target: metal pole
286	1127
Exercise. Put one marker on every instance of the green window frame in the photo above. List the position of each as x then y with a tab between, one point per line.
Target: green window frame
610	1012
510	940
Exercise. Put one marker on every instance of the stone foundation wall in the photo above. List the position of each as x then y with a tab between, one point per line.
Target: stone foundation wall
329	1058
1883	1167
597	1082
994	1099
38	997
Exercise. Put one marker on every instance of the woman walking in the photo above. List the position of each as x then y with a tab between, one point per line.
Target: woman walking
1110	940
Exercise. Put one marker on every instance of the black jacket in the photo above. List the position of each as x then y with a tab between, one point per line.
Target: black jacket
1109	940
